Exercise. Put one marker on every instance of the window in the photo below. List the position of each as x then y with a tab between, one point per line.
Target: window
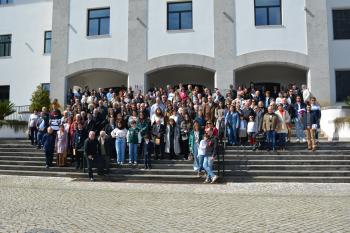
98	22
268	12
46	87
179	15
4	93
5	45
3	2
342	85
341	24
47	42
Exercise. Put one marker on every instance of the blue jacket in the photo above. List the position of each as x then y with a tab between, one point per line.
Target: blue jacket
232	118
49	142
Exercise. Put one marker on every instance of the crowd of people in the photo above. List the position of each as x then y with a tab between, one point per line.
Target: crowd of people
185	122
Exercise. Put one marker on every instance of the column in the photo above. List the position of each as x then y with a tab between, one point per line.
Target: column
137	45
59	54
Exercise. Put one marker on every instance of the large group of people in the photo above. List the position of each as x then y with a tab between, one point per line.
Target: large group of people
184	122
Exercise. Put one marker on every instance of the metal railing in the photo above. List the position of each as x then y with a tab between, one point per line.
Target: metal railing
22	113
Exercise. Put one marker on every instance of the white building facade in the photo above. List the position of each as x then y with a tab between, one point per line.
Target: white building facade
65	44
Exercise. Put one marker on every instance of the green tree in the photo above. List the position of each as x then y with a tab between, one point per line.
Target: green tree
40	98
6	109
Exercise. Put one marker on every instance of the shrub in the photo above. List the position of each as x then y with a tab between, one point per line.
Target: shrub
347	100
40	98
6	109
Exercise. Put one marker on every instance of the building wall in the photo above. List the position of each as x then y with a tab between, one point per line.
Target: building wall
339	50
28	66
200	40
114	45
290	36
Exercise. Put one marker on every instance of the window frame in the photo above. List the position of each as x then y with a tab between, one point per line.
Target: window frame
268	14
10	45
45	42
333	24
99	21
179	13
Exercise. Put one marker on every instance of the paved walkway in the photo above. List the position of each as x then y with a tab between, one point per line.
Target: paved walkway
59	205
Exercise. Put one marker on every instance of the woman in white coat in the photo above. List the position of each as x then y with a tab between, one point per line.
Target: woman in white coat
282	127
172	135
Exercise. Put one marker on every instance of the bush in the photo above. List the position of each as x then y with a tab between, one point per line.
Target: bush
6	109
40	98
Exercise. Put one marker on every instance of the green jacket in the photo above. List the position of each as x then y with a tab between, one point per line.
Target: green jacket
144	127
133	135
191	140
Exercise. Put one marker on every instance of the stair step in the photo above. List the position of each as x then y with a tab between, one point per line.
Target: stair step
278	173
286	162
290	167
300	179
286	157
294	152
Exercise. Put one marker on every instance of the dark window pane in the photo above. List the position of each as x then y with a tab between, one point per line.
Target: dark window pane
93	27
260	16
4	93
341	24
342	85
99	13
48	46
267	2
186	6
275	16
104	26
173	21
7	49
48	35
186	20
2	50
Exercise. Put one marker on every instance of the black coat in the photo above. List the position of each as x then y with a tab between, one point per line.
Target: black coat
48	142
158	132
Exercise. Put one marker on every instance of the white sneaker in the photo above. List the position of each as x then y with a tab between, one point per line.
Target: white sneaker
207	181
215	178
304	140
135	163
297	140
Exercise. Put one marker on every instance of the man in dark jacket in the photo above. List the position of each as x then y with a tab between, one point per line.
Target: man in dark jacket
310	123
107	150
91	151
78	145
48	142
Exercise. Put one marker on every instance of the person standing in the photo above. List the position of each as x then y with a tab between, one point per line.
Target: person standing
91	151
106	144
310	127
210	155
133	139
194	139
232	125
78	145
158	132
299	108
119	134
61	146
49	146
42	127
282	129
269	127
172	145
32	126
147	152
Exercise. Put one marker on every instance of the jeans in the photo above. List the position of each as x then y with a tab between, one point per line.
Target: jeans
232	135
208	166
132	153
299	129
33	135
282	140
147	160
120	147
40	138
271	139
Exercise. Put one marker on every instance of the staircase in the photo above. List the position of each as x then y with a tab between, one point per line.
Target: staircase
18	157
329	164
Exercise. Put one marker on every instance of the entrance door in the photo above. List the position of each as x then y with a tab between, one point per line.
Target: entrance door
267	86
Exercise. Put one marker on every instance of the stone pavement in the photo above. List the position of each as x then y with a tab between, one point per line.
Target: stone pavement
60	205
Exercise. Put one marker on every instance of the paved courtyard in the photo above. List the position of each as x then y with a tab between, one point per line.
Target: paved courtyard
59	205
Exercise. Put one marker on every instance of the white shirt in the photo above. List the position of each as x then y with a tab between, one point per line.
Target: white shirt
251	127
119	133
33	120
202	147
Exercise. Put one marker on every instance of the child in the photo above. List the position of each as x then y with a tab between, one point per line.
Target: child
251	130
133	138
147	151
242	133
